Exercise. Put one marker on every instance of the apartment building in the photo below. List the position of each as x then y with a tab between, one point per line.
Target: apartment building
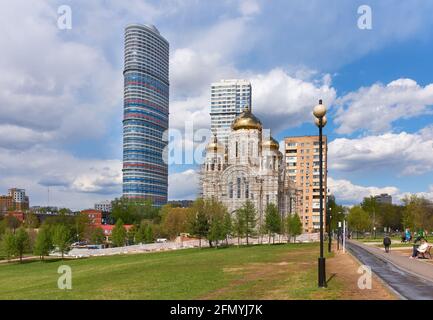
302	162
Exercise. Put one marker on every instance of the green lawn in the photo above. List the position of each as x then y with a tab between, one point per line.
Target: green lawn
257	272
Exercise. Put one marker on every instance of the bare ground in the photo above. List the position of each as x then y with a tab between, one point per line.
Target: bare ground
294	276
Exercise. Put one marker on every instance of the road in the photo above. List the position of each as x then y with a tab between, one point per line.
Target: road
407	285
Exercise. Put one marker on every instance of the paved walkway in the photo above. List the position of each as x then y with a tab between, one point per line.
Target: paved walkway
416	267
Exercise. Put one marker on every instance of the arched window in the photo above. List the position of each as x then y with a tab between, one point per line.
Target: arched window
231	190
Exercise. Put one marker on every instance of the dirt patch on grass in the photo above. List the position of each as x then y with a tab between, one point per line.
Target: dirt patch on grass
293	275
258	280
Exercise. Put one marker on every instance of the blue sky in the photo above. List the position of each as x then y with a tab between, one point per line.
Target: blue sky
61	90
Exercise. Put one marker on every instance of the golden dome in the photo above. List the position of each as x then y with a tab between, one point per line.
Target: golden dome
271	144
246	120
215	146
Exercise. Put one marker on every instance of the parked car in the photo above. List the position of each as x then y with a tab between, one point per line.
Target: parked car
161	240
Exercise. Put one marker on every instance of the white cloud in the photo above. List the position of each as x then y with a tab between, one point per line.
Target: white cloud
183	185
375	108
77	183
249	7
401	153
348	193
62	89
282	100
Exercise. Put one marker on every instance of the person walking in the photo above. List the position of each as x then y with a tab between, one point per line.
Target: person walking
386	243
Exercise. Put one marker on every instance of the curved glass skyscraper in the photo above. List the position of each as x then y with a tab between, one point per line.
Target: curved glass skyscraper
146	103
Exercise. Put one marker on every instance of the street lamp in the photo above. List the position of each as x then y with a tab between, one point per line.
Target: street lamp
329	231
320	120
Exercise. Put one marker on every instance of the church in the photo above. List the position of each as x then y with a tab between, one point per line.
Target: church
250	167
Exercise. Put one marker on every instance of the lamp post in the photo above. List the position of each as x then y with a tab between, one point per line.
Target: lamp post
319	112
329	232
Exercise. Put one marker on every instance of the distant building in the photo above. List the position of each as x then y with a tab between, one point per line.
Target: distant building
95	217
383	198
181	203
228	100
16	199
104	206
302	164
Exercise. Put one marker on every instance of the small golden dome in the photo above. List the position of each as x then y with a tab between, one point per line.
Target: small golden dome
246	120
215	146
271	144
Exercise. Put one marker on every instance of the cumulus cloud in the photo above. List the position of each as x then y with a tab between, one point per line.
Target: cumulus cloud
183	185
77	182
282	100
51	86
403	153
249	7
348	193
375	108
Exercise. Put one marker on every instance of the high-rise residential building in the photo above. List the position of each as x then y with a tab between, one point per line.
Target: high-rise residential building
146	109
228	100
16	199
383	198
302	162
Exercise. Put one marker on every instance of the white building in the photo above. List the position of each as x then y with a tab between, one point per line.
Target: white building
18	195
228	100
250	168
104	206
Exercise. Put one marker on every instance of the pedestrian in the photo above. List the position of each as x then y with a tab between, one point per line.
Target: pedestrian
408	235
386	243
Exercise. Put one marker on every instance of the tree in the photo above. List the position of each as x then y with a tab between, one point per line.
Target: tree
82	227
239	224
12	222
132	211
130	235
246	216
228	226
97	236
31	221
9	244
43	244
272	221
198	220
175	221
219	225
61	238
336	211
118	236
22	242
358	219
148	234
293	226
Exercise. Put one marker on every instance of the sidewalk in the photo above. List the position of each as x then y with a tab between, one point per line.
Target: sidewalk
413	266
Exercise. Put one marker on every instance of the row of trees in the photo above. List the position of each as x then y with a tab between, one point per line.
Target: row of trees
15	244
209	219
205	219
415	213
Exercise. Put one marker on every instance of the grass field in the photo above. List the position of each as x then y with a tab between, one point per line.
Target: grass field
256	272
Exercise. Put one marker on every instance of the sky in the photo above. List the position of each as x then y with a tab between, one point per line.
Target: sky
61	90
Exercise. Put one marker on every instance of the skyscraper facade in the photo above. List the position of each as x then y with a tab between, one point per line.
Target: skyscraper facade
146	109
228	100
